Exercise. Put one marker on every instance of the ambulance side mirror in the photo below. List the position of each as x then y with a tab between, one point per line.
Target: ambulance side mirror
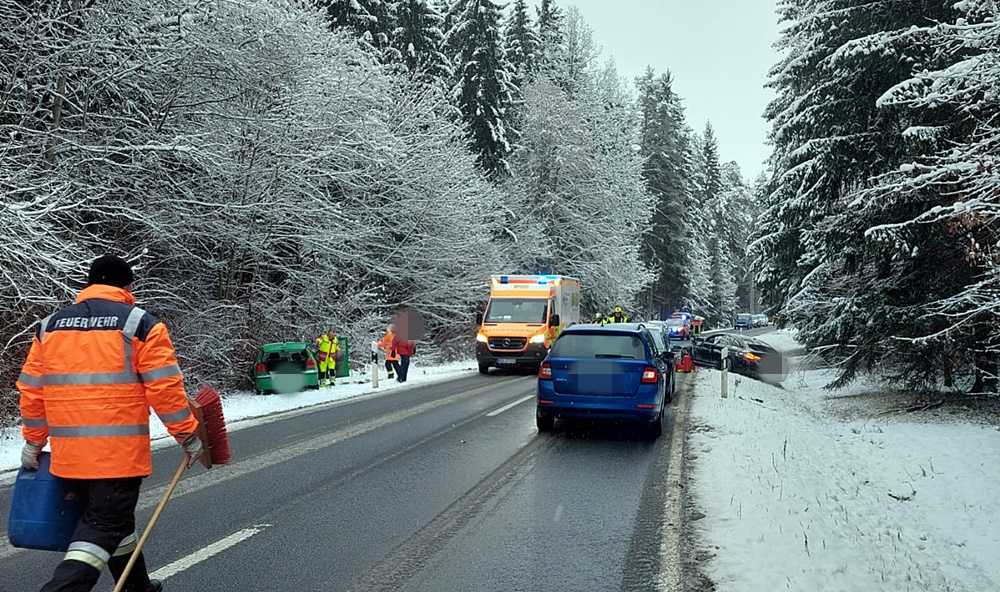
554	320
479	318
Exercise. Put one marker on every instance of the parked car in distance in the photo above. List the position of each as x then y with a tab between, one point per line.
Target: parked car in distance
744	355
287	367
743	321
605	372
760	320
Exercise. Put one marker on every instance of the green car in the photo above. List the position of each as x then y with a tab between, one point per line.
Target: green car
285	368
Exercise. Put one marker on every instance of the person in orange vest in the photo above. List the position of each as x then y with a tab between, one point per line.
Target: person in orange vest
328	346
391	357
405	349
93	371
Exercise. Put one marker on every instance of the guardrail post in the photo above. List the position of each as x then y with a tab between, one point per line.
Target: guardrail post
725	372
374	364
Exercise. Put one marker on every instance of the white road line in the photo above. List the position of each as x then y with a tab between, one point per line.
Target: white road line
206	553
670	577
497	412
203	479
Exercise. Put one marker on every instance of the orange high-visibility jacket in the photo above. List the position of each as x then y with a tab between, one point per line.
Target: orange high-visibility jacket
93	371
386	344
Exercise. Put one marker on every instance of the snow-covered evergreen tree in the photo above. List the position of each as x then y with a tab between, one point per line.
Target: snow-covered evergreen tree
418	38
664	145
482	88
833	136
521	44
551	38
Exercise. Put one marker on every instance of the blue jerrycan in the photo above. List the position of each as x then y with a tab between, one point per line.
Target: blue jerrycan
43	511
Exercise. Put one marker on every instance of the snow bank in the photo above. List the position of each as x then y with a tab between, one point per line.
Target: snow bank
245	405
796	498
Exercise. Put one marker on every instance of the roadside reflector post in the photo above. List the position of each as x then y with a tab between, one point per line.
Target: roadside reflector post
374	364
724	362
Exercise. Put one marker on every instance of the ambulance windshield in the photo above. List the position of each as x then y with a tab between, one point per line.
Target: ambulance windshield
517	310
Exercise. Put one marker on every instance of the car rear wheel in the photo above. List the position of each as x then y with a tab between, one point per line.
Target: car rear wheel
656	428
484	369
545	422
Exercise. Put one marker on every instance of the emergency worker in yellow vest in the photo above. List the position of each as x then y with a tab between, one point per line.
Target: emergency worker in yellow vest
328	348
618	316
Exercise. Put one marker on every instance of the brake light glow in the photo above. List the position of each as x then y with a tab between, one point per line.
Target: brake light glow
751	356
650	375
645	406
261	369
545	371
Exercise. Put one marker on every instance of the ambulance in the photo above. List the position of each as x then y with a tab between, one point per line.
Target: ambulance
523	316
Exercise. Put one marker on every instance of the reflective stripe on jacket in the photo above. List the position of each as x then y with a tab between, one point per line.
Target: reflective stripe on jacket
386	344
93	371
327	348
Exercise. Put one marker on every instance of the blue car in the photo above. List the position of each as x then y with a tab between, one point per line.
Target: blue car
606	372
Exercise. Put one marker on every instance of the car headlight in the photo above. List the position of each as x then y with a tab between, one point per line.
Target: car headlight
537	339
480	338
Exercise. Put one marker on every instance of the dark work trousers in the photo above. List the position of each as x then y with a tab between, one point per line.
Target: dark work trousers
392	367
108	520
404	365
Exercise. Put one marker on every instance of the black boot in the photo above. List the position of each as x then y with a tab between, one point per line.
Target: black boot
138	578
72	575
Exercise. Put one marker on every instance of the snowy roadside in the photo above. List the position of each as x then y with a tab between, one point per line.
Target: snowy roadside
243	407
791	493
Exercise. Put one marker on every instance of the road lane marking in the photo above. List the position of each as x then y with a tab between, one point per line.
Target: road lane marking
671	577
217	476
508	406
206	553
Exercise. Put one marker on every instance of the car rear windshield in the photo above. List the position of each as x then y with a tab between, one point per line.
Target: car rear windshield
599	345
744	317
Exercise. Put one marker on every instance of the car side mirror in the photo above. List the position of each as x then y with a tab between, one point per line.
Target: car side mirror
668	356
554	320
479	318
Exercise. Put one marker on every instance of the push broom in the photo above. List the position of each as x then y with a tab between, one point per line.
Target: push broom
207	407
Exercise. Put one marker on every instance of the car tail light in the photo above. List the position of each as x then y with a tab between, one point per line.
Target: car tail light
310	363
261	369
545	371
650	375
751	356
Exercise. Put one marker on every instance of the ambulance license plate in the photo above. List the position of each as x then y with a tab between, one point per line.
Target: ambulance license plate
506	361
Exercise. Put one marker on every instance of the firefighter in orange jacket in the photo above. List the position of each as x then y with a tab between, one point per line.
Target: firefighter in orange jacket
93	371
391	356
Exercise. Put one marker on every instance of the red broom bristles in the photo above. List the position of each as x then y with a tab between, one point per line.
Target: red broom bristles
215	425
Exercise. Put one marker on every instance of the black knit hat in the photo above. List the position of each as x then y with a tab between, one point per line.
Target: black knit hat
111	271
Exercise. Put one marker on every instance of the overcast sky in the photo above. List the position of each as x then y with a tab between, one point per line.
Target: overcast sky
719	52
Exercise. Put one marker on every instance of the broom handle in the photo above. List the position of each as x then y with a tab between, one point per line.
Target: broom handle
152	521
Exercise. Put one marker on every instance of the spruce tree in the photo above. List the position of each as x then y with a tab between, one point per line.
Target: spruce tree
664	146
482	88
418	39
521	43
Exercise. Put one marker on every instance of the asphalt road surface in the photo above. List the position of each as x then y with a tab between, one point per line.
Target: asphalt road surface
444	487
